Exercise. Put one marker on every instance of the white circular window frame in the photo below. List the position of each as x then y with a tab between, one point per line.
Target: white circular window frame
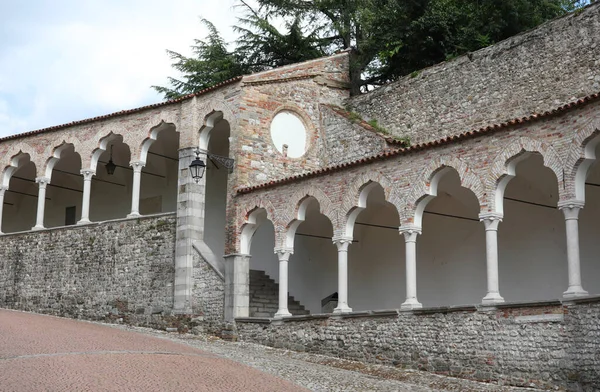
302	120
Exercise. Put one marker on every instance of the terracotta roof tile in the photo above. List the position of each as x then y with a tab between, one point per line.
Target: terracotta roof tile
122	112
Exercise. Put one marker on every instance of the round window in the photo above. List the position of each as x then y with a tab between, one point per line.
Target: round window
288	134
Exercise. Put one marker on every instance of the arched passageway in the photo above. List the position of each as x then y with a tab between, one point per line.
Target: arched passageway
158	186
216	184
110	196
376	255
312	271
531	237
21	197
64	192
451	255
589	229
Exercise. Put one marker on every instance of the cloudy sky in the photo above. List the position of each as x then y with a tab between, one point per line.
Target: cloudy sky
66	60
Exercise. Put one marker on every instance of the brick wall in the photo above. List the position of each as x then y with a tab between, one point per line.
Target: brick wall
537	345
102	271
529	73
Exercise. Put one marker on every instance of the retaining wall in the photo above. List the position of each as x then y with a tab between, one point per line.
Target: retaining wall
544	345
111	271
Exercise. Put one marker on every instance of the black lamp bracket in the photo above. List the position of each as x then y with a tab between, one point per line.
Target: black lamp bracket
224	161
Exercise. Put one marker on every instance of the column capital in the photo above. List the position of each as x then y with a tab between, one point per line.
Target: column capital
342	242
87	174
283	254
491	220
571	208
410	232
43	181
137	165
3	188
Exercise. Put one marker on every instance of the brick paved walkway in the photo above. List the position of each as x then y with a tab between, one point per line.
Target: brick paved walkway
43	353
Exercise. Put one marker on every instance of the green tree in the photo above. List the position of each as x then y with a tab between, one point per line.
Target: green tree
389	38
212	64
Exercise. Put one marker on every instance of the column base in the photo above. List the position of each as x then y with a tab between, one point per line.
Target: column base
574	292
282	313
492	299
134	215
36	227
84	222
342	309
411	303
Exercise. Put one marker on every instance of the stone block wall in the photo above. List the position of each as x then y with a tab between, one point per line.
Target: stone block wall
544	345
346	141
111	271
208	295
532	72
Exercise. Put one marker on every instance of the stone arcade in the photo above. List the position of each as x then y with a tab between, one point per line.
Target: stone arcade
495	205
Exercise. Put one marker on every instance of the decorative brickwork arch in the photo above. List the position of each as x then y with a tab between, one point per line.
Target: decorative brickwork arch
152	136
298	216
213	111
504	165
582	155
248	223
14	164
54	158
355	198
102	146
426	188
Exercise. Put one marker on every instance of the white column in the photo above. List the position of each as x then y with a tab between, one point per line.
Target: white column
42	182
3	189
342	244
491	221
135	192
410	238
85	202
284	255
571	210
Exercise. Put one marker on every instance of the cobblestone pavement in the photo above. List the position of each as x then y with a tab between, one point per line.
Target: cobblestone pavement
45	353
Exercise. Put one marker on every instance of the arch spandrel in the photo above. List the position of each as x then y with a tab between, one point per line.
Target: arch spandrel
154	129
326	207
15	162
504	164
247	222
580	157
204	118
53	155
426	187
22	148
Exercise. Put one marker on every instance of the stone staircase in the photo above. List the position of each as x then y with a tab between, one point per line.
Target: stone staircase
264	297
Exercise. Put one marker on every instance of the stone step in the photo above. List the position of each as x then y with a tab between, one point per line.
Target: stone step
264	297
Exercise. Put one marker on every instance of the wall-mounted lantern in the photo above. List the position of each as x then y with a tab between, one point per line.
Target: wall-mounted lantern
110	166
197	167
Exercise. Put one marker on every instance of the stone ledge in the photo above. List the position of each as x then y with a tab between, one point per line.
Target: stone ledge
505	305
255	320
442	309
91	224
583	300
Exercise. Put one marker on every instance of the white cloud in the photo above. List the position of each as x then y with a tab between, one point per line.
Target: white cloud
70	60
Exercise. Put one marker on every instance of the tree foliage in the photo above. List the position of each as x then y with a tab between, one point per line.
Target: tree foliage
390	38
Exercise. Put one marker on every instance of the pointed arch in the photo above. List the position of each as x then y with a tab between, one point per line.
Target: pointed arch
503	167
102	146
214	112
152	137
427	184
581	156
253	214
16	162
304	197
55	157
355	199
